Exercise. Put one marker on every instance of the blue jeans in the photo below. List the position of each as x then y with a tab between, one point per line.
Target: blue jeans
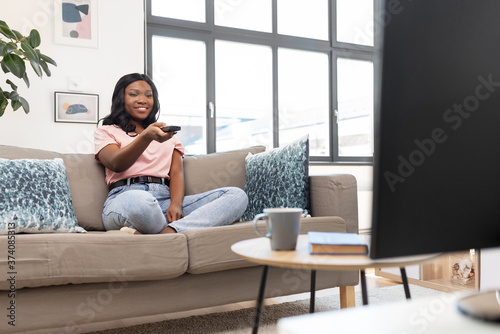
143	207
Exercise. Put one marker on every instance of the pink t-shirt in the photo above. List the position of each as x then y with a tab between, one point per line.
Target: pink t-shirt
154	161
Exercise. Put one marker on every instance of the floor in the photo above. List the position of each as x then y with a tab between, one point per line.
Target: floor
372	282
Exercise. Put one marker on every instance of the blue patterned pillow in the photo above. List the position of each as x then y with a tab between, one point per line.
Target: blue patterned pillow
278	178
35	197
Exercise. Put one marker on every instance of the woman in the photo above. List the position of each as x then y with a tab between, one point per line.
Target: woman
144	170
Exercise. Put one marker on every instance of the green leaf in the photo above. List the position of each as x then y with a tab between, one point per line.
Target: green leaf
3	105
7	48
4	68
24	104
14	64
34	38
45	68
3	24
14	96
47	59
26	80
33	57
29	52
15	105
14	87
5	30
36	68
19	36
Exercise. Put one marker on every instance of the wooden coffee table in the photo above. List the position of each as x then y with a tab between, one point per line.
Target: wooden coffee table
259	251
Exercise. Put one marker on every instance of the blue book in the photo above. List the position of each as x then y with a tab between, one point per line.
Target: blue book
336	243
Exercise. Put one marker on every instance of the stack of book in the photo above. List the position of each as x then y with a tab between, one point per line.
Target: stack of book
332	243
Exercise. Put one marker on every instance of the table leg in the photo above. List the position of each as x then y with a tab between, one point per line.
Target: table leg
405	282
260	299
363	287
313	291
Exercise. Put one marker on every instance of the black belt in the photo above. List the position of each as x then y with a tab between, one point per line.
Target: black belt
140	179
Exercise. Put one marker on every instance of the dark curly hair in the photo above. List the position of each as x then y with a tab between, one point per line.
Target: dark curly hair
119	116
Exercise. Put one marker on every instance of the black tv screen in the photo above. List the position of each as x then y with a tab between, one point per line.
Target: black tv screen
437	128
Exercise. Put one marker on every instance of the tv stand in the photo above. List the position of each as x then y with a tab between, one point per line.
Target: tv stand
437	274
483	306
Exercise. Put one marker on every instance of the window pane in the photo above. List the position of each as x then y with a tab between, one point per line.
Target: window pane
303	18
244	14
191	10
304	99
355	106
179	73
355	21
243	86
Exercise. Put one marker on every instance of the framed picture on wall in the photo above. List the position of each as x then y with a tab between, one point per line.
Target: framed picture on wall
76	107
75	22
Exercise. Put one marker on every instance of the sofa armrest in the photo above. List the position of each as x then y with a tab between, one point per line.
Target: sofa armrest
335	195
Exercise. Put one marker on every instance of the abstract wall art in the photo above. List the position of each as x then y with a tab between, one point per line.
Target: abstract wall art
76	107
76	22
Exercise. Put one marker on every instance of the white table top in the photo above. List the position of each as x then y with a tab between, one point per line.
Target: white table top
430	315
259	251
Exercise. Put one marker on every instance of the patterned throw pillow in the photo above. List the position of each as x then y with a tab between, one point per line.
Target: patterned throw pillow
278	178
35	197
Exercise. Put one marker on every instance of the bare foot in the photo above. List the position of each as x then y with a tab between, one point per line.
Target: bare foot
129	230
168	230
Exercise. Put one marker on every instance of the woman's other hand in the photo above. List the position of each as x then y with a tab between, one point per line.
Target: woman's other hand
174	213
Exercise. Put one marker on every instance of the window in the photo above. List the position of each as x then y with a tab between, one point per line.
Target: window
303	18
243	91
354	107
303	101
179	74
237	73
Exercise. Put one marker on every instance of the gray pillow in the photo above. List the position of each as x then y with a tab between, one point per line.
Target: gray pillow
278	178
35	197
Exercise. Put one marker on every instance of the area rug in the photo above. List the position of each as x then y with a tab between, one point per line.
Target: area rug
241	321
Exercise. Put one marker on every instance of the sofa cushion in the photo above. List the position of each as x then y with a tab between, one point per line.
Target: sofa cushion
278	178
210	249
86	180
35	197
88	189
56	259
216	170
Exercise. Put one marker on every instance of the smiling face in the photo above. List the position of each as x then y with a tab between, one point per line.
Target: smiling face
139	100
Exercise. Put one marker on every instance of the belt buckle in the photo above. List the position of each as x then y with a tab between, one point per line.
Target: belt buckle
149	179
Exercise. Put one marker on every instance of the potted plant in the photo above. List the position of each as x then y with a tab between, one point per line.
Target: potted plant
15	51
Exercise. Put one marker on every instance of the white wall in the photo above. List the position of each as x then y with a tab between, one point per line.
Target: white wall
120	51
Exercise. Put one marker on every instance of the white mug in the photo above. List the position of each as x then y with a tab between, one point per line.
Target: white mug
282	225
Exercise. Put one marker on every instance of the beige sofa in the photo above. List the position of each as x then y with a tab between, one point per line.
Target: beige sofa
79	282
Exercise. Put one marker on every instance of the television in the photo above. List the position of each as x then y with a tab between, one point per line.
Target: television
437	128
